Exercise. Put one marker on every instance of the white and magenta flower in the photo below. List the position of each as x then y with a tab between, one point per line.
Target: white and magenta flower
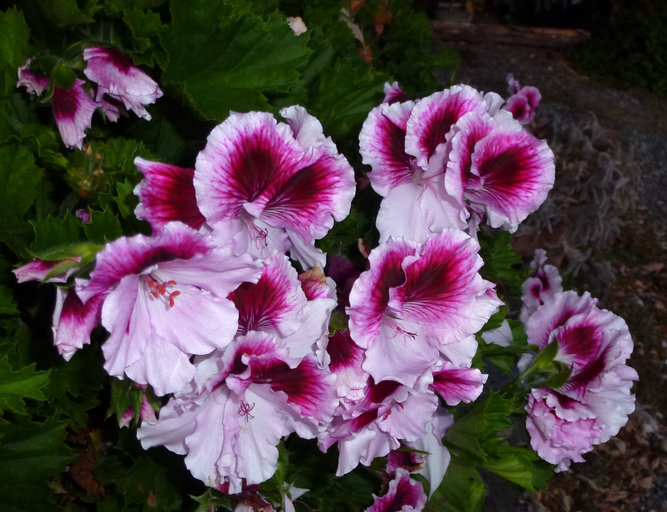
457	385
561	429
166	194
273	186
596	400
73	110
544	284
451	156
388	413
116	76
431	458
74	321
230	422
418	302
165	298
277	305
404	494
33	81
523	100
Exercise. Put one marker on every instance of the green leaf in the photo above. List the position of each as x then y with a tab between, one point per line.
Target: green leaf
20	181
521	466
342	105
14	40
63	76
17	385
7	304
75	385
56	232
225	62
103	227
124	395
462	489
29	454
501	263
147	483
125	198
146	27
475	434
65	12
213	500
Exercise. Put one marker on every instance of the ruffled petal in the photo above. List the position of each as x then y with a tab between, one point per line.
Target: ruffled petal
73	321
457	385
73	111
271	305
382	146
510	177
246	158
132	255
116	76
403	494
433	117
166	194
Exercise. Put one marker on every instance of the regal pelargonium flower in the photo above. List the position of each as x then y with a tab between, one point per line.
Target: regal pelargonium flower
419	301
116	76
33	81
277	304
166	194
597	397
229	424
268	179
165	298
523	100
388	413
501	172
404	494
73	111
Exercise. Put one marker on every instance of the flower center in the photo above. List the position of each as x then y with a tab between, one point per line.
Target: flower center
158	289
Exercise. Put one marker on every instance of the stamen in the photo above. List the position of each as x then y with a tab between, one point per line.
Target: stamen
159	289
244	410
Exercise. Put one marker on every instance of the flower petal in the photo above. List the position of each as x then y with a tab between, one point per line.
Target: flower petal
73	111
166	194
510	177
382	146
116	76
433	117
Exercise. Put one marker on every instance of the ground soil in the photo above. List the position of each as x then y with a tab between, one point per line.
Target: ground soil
597	129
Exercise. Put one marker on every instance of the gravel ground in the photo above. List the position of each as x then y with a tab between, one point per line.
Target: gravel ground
611	153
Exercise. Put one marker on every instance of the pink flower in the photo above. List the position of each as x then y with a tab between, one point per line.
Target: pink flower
393	93
431	458
165	298
452	159
561	429
166	194
596	400
523	100
387	414
418	302
404	495
273	186
277	304
229	422
116	76
74	321
34	82
73	110
543	286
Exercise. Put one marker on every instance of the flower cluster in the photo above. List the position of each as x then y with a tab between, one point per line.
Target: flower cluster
210	312
120	85
595	344
454	159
